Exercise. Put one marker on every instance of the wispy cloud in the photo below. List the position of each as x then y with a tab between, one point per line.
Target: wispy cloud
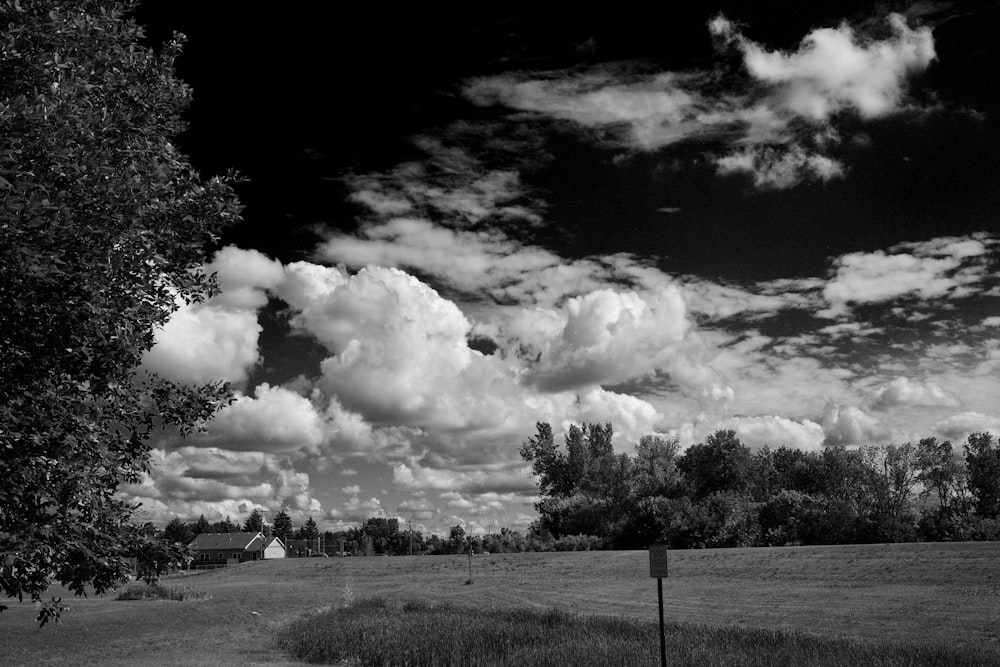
777	125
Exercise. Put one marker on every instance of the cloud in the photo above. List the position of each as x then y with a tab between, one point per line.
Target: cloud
959	427
274	419
903	391
217	339
413	475
780	169
189	481
835	70
849	425
774	432
778	123
205	343
943	267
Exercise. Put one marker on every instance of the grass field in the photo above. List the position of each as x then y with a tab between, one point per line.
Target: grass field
916	595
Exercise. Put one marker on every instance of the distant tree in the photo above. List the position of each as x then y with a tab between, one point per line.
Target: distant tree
282	526
226	526
310	530
891	475
457	542
177	532
104	227
201	526
982	461
254	523
654	472
721	463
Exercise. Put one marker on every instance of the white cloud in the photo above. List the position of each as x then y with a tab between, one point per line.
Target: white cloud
937	268
217	339
850	425
959	427
834	70
412	475
993	321
205	343
190	481
774	432
903	391
780	169
274	419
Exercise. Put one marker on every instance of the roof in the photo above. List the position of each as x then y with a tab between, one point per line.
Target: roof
207	541
275	540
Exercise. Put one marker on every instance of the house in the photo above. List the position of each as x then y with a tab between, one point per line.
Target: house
212	550
274	549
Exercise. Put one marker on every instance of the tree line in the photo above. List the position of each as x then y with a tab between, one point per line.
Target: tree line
719	493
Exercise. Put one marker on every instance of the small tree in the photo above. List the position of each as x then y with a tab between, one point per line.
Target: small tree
282	526
177	532
201	526
254	523
310	531
103	230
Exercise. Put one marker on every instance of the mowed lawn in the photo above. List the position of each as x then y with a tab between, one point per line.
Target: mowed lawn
912	594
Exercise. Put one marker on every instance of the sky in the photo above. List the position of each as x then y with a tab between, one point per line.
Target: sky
765	217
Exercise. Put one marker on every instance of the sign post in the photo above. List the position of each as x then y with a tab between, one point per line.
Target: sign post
658	569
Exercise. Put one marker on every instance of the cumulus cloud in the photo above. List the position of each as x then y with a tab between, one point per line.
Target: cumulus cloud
189	481
413	475
959	427
904	391
274	419
773	431
850	425
204	343
217	339
834	69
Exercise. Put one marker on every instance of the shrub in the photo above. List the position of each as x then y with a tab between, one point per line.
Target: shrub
142	591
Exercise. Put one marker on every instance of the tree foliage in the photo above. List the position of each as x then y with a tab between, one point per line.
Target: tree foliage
103	230
720	493
283	526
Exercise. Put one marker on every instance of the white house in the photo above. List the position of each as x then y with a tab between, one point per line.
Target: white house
274	549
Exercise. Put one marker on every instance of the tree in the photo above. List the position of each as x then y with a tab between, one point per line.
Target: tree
201	526
254	523
103	231
456	540
721	463
310	531
982	461
177	532
548	463
225	526
655	470
282	526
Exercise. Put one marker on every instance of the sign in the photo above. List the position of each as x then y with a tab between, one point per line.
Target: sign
658	561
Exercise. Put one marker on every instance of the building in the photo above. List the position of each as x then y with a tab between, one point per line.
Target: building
212	550
274	549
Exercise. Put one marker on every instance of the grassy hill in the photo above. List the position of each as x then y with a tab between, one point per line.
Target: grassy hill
924	595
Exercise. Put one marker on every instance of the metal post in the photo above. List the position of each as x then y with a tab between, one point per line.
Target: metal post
663	639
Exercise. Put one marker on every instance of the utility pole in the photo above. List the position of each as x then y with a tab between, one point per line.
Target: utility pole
410	523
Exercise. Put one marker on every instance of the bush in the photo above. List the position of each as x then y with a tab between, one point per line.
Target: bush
138	590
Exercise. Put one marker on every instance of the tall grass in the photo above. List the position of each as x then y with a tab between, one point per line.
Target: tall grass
138	590
374	632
